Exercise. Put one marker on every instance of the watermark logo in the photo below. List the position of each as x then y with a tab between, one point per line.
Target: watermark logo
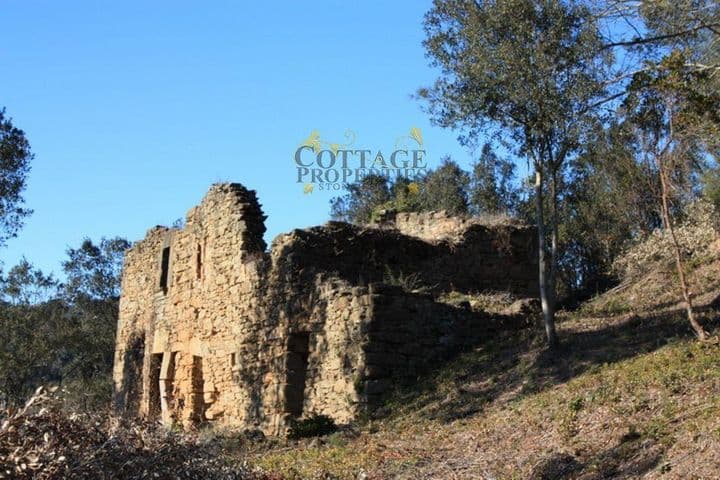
326	165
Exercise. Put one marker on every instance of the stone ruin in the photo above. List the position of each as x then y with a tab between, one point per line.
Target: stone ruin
214	327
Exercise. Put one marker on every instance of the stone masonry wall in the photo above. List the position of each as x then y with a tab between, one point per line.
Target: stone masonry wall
214	328
189	326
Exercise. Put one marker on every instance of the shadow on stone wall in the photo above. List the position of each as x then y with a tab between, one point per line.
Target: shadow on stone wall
501	258
126	399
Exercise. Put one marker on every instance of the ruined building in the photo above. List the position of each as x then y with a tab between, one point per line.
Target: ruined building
214	327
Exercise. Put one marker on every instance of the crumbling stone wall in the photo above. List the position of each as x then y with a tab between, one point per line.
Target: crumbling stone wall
215	328
195	309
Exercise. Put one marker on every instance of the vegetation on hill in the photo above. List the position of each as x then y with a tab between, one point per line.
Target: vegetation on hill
631	394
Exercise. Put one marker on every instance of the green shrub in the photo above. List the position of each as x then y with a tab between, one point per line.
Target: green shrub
313	426
87	395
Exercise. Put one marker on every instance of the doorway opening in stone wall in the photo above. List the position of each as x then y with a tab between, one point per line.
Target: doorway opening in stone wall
296	364
167	377
154	387
198	390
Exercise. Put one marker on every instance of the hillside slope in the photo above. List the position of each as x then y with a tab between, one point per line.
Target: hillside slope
631	395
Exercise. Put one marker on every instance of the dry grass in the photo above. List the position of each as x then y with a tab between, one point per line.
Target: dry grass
658	290
488	301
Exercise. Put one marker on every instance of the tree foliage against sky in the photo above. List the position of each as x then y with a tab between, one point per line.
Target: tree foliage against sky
566	88
531	71
490	189
445	188
362	198
62	333
15	158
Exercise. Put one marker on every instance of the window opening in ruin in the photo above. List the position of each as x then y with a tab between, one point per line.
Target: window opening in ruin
167	376
198	390
198	262
297	364
233	359
154	387
164	269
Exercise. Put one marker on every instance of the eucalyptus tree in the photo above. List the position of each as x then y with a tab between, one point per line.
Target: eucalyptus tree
529	72
361	199
670	80
675	127
492	187
445	188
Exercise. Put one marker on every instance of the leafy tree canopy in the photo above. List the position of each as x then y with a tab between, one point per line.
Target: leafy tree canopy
15	157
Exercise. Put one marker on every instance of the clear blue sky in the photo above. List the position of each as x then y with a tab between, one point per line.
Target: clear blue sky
134	108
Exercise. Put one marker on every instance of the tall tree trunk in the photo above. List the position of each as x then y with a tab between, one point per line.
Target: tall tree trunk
679	264
545	296
552	294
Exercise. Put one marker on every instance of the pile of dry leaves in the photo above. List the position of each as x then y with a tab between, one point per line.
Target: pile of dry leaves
41	441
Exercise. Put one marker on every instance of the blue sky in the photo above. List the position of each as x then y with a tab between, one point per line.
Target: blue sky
134	108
